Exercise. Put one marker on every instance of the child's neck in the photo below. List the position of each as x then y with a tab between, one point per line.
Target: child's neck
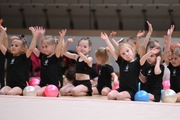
17	54
132	60
50	54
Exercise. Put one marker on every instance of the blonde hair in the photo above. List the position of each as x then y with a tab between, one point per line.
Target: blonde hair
177	51
104	54
50	40
121	45
20	38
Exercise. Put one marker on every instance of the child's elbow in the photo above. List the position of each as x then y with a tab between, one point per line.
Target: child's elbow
157	72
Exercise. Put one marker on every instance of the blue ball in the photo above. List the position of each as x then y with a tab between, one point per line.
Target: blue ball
141	96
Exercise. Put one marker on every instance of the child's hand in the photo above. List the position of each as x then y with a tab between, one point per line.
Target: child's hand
104	36
170	31
140	33
174	45
155	50
112	34
150	27
78	49
158	59
32	29
43	31
70	40
62	33
36	31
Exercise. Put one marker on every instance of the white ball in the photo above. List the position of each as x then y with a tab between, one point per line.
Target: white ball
169	96
29	91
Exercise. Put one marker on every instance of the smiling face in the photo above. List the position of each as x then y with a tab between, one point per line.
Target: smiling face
84	45
16	47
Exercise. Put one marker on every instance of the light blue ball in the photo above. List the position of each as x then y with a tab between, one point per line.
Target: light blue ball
142	96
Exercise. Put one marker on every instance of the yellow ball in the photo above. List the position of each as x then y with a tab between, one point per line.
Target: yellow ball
29	91
169	96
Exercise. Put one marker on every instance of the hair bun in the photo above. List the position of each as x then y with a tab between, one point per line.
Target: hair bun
22	36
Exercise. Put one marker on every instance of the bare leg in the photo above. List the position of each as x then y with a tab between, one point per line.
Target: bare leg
105	91
15	91
5	90
151	96
178	97
79	90
66	90
112	95
95	91
37	87
40	92
123	96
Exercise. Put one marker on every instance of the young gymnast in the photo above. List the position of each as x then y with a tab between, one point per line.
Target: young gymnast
51	52
69	76
82	85
94	74
16	63
106	73
173	63
129	70
153	70
149	43
60	76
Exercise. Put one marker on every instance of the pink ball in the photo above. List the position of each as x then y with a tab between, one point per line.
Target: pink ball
34	81
51	91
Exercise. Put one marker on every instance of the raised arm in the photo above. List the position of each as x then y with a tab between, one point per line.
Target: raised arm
43	31
5	38
148	54
86	59
109	45
36	33
112	34
66	53
59	47
138	36
143	46
2	34
168	43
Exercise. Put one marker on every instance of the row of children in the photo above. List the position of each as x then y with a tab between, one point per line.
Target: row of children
137	62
